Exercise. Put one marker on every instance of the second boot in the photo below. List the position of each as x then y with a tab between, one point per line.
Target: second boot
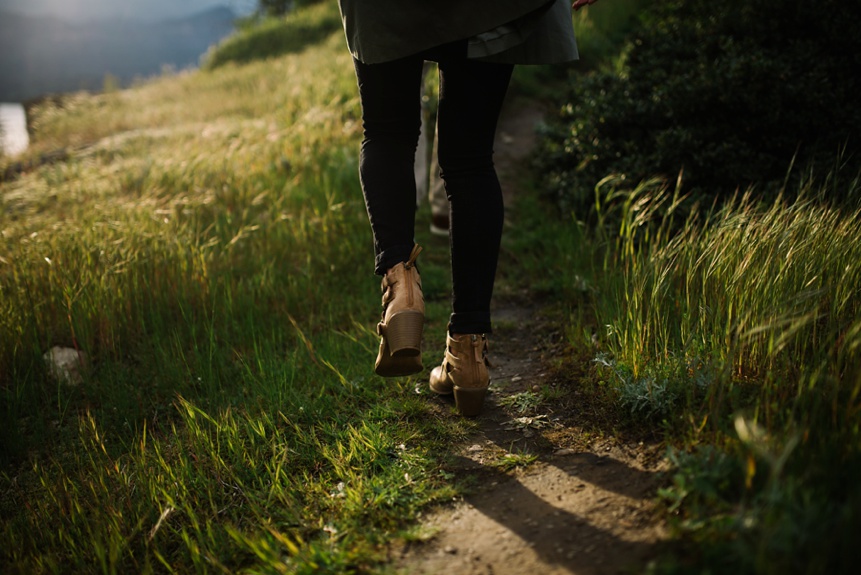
463	372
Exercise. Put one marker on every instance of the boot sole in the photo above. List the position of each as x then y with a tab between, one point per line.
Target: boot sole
469	400
397	367
390	366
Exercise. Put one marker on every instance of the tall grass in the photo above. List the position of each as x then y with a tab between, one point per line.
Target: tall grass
207	246
739	327
757	289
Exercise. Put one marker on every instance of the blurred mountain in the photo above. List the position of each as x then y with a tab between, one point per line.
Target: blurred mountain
41	55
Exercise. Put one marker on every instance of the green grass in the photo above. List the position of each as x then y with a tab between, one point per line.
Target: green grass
272	37
750	286
207	246
734	333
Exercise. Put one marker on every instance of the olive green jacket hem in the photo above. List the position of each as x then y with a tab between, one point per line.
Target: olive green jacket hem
384	30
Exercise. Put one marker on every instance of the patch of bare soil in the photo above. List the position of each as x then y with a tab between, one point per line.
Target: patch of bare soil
547	498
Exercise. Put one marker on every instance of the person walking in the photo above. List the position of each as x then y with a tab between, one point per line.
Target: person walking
476	45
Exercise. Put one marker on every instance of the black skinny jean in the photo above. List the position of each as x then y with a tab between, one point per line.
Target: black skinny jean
471	96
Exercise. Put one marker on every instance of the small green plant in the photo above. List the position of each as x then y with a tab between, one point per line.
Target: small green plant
511	461
523	402
659	391
706	474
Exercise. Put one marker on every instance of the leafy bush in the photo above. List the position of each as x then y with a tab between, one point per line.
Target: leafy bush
728	93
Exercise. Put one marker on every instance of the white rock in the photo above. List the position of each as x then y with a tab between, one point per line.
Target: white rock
66	364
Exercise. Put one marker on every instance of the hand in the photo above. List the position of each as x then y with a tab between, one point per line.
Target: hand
580	3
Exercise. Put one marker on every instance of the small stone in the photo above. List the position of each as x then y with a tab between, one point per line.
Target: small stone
66	364
450	550
564	451
474	448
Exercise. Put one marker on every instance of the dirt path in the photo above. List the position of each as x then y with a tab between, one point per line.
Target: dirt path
584	505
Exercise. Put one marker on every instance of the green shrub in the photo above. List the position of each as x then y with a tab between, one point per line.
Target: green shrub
730	94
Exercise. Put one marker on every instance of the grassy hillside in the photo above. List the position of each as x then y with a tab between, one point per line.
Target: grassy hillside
207	246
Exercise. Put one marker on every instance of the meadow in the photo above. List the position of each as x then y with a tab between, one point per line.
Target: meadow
207	247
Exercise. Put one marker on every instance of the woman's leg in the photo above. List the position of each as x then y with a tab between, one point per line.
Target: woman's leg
471	96
391	117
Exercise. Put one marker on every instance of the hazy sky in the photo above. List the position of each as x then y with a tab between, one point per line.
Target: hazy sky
98	9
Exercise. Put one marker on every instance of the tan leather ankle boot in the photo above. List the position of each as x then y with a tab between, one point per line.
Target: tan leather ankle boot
403	320
463	372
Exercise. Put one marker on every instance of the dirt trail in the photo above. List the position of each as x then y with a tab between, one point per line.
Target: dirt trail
584	506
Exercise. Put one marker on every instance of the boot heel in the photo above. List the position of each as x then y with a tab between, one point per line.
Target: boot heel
389	366
404	333
469	400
